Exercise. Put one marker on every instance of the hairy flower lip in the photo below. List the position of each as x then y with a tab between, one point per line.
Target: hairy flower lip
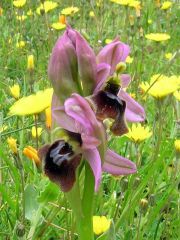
60	170
108	105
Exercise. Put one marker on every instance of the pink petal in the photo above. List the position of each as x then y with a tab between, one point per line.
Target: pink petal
62	67
60	117
118	165
113	53
125	80
134	111
78	108
94	160
103	72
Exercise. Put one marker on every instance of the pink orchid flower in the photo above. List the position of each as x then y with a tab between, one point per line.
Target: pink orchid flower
77	117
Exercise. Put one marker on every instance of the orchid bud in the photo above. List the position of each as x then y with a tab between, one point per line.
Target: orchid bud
72	66
120	67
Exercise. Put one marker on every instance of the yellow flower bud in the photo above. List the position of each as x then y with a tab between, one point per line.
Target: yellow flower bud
12	144
143	205
36	133
30	62
48	117
120	67
31	153
15	91
177	145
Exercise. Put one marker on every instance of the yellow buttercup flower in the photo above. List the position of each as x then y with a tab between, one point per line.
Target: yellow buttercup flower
15	91
32	154
48	117
158	37
129	59
70	10
177	95
177	145
168	56
30	62
12	144
138	133
32	104
162	87
100	224
46	7
20	44
39	132
166	5
19	3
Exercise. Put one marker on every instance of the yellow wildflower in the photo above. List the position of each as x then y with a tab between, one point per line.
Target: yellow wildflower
12	144
149	21
48	117
20	44
32	154
134	4
158	37
168	56
138	133
129	59
19	3
177	95
46	7
166	5
32	104
21	17
162	87
58	26
100	224
30	62
108	40
177	145
121	2
15	91
70	10
38	133
3	128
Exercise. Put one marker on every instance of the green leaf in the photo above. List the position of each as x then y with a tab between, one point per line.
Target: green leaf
31	204
50	193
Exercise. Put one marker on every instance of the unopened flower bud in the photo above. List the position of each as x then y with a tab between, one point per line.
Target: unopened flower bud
152	200
12	144
20	230
42	11
136	182
30	63
143	205
124	184
120	67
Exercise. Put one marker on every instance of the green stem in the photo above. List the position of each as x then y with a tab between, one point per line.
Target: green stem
85	226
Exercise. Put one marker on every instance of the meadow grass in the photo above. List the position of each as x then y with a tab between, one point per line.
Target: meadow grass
142	206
